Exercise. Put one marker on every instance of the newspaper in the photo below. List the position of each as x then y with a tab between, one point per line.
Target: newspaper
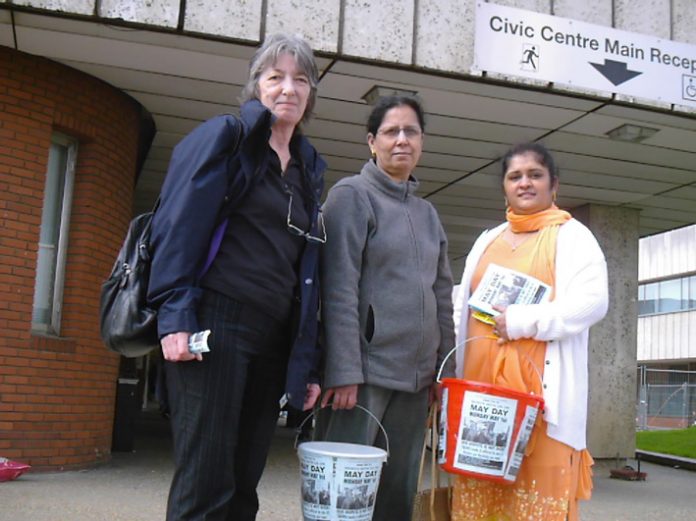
485	433
316	473
503	287
198	342
523	436
338	489
442	430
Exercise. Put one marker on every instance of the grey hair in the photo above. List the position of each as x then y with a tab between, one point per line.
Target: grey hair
267	55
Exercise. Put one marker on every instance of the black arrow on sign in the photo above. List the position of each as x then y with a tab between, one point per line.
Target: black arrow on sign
615	72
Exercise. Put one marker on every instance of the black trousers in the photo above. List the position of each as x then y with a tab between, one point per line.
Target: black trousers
224	411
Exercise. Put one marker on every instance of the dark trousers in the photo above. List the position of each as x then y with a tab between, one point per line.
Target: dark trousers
224	411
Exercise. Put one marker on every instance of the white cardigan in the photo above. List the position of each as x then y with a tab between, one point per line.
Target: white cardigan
581	300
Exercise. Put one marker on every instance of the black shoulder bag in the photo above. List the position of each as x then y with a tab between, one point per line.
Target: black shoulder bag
128	325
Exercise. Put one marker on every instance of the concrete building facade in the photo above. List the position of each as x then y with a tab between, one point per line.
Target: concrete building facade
667	329
667	299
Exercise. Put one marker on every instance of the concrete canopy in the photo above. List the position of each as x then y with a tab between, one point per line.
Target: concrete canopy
183	79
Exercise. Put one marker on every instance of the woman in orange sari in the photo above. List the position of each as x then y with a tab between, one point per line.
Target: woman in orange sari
538	348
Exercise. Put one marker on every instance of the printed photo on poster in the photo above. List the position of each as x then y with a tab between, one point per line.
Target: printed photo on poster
356	491
442	440
316	471
523	436
485	430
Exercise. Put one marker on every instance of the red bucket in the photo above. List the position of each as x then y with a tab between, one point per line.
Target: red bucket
484	429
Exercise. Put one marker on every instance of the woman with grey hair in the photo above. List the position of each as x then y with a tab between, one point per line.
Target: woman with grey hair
236	245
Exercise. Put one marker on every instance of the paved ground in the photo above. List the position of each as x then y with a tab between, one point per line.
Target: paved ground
133	487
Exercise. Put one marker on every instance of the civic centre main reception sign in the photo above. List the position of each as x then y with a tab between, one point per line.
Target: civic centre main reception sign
524	43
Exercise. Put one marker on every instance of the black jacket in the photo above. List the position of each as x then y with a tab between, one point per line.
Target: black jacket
203	178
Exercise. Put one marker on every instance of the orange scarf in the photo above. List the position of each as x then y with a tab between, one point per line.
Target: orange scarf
536	221
547	221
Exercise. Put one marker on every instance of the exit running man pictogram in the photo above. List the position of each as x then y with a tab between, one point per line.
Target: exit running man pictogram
529	55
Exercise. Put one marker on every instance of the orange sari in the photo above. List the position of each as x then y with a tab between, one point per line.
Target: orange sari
553	475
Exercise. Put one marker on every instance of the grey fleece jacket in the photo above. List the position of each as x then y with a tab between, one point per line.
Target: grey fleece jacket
386	285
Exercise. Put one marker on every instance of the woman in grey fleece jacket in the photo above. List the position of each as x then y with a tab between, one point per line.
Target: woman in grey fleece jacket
387	309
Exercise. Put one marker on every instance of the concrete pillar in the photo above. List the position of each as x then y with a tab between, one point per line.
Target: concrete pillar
612	408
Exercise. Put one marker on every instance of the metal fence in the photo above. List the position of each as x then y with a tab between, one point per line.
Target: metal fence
666	399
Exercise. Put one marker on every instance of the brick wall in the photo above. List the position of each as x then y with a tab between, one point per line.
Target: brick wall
57	393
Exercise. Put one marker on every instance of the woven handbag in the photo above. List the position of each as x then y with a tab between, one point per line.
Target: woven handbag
435	503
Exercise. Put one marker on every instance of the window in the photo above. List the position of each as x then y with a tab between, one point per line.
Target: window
667	296
53	238
647	303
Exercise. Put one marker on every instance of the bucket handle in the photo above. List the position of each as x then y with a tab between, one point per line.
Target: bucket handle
489	337
384	432
460	344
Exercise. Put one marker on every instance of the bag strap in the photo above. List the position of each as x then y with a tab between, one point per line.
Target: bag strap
423	452
233	152
431	435
144	244
434	474
220	228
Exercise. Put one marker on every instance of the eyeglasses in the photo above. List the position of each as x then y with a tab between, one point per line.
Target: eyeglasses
393	132
299	231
